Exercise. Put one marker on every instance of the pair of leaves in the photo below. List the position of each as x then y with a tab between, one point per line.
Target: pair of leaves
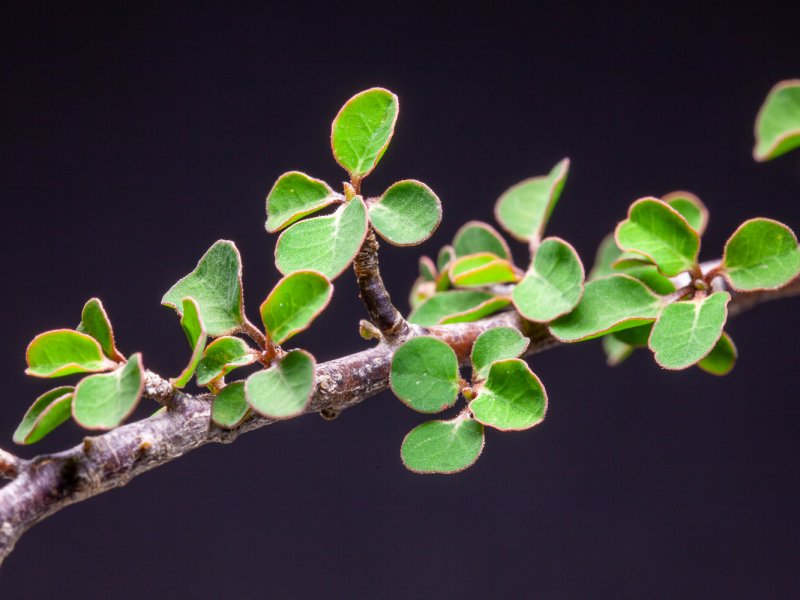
424	375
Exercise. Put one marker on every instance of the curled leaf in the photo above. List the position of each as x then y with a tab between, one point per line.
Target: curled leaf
63	352
50	410
296	195
294	303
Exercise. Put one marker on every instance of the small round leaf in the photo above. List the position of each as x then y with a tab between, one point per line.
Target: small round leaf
476	237
461	305
63	352
222	356
95	322
105	401
498	343
50	410
296	195
690	207
777	128
722	359
285	389
424	374
443	446
406	214
512	398
478	270
229	407
294	303
762	254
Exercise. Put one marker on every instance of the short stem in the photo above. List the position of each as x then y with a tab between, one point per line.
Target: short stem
254	333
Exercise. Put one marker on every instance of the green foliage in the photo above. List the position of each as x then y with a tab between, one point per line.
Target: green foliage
722	359
616	350
196	334
95	322
476	237
294	303
326	244
445	257
216	286
221	357
650	276
427	270
229	407
443	446
777	127
478	270
362	130
457	306
608	304
553	284
512	398
687	331
424	374
285	389
690	207
659	232
761	254
63	352
294	196
105	401
50	410
607	253
406	214
524	209
498	343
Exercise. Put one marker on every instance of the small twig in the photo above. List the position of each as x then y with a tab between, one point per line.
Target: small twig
9	464
383	314
254	333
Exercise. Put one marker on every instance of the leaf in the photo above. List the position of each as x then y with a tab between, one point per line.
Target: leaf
722	359
326	244
512	398
658	231
607	253
63	352
649	275
476	237
635	337
690	207
406	214
608	304
762	254
229	407
105	401
285	389
446	256
222	356
296	195
439	307
196	334
524	209
476	313
553	284
362	130
216	286
424	374
687	331
616	350
294	303
420	291
49	411
94	322
485	268
427	270
777	128
498	343
443	446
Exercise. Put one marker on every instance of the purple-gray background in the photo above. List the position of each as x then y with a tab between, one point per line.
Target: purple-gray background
132	137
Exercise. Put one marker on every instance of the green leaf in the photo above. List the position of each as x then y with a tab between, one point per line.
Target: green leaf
229	407
512	398
690	207
420	291
476	237
407	214
553	284
427	270
658	231
424	374
485	268
294	303
635	337
498	343
761	255
294	196
524	209
616	350
63	352
649	275
777	127
608	304
722	359
326	244
95	322
446	256
222	356
196	334
607	253
105	401
285	389
49	411
462	305
362	130
443	446
216	286
687	331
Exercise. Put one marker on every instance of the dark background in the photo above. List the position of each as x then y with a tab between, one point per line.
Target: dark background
135	136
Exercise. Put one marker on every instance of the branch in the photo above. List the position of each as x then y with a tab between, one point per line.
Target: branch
48	483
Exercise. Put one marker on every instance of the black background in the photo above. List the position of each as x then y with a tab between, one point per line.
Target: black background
134	136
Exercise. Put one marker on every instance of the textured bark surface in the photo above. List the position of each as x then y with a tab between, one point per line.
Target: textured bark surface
45	484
